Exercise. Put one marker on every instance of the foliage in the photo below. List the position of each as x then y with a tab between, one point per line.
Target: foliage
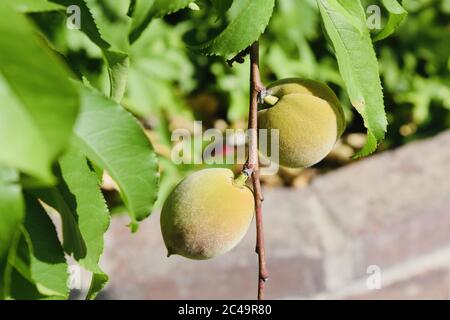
59	133
78	103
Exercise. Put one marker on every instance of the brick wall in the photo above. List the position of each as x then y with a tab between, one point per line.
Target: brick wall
391	211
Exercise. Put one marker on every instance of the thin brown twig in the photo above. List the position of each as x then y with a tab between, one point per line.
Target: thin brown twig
252	164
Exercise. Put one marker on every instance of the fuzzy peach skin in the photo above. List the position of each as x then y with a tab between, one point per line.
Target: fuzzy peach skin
312	87
308	128
206	215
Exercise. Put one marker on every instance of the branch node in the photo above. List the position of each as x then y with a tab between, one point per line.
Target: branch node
262	93
264	277
248	170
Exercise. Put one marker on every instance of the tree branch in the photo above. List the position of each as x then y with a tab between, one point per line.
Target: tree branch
251	167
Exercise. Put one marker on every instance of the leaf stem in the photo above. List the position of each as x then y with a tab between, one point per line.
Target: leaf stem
252	164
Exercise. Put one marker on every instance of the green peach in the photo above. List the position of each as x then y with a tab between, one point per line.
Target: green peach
207	214
308	116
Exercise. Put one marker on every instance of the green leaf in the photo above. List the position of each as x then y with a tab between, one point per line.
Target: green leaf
146	10
118	64
93	215
112	138
139	11
22	286
369	146
98	171
161	72
6	267
248	20
117	61
112	21
84	215
29	6
222	6
48	267
11	207
62	200
161	8
11	216
358	64
98	282
39	103
87	22
396	16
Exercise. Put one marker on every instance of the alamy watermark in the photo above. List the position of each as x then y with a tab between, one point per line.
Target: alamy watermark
74	280
214	146
373	281
73	21
373	17
373	21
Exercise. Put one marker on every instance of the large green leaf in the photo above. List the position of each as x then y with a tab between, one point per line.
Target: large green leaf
47	265
146	10
344	22
38	102
11	216
248	20
396	16
85	217
112	138
93	215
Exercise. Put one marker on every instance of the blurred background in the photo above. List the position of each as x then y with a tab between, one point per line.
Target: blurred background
324	225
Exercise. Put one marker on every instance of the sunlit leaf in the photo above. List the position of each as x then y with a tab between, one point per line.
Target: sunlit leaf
38	102
247	21
112	138
92	213
358	64
396	16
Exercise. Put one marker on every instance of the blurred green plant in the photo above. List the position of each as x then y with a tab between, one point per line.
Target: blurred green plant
169	83
414	66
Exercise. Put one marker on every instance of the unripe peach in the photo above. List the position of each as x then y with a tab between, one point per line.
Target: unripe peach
207	214
308	116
